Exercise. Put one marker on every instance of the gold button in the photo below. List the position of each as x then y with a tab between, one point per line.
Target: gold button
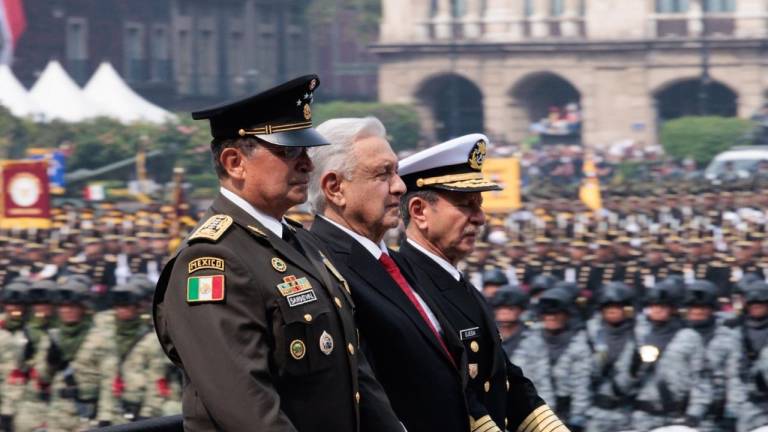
308	317
474	346
351	348
487	386
338	302
507	384
506	422
357	397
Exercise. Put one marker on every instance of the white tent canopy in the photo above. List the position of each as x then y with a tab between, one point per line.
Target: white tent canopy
13	95
113	98
58	97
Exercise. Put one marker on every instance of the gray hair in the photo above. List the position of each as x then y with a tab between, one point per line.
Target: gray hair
427	195
339	156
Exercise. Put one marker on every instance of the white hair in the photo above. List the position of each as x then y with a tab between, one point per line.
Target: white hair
341	133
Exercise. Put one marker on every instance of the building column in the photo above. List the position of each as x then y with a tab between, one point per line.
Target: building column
471	20
695	17
442	20
539	24
569	26
496	19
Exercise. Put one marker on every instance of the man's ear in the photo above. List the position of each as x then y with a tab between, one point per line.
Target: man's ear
332	185
418	208
233	161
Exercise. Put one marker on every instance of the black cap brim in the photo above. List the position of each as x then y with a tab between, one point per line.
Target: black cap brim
308	137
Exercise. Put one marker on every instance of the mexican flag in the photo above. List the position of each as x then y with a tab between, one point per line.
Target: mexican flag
205	288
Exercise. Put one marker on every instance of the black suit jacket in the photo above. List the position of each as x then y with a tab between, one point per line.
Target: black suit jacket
422	383
497	388
266	357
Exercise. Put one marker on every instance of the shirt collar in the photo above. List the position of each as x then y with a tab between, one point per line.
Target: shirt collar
453	271
368	244
269	222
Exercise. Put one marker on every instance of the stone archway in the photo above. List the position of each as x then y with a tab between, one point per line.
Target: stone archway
547	104
687	97
455	104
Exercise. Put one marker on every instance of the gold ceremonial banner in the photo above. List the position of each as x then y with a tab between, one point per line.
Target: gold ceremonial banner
506	172
25	201
589	192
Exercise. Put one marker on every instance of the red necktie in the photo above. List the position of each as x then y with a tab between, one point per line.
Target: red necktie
394	271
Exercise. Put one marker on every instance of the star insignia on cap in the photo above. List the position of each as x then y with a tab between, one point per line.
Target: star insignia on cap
298	102
306	96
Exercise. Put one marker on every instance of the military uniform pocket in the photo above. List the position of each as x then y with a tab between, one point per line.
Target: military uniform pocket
309	344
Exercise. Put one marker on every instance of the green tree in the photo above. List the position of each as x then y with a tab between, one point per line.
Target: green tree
367	14
13	142
701	138
401	121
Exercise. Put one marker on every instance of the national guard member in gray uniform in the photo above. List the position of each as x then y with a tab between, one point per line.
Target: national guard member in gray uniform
666	369
258	319
611	338
14	352
747	363
701	306
567	352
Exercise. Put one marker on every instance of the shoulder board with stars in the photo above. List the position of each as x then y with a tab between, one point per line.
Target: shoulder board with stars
213	228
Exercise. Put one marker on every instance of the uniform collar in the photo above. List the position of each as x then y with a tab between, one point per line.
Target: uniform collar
453	271
368	244
269	222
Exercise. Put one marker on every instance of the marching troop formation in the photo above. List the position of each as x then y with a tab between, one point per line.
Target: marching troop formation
650	312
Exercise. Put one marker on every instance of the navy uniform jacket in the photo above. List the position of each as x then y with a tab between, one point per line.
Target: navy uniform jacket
279	351
496	388
423	385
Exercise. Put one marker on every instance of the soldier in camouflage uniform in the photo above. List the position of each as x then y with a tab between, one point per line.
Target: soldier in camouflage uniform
140	386
747	363
78	360
33	406
666	370
701	303
611	338
567	371
13	358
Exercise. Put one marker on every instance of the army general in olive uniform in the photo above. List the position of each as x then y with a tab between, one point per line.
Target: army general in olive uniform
258	320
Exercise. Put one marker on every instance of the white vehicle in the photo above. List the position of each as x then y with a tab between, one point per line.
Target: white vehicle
738	162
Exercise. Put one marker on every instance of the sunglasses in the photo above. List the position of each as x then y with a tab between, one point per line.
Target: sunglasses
284	152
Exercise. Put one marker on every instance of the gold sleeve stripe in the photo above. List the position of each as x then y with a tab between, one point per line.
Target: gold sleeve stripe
484	424
542	419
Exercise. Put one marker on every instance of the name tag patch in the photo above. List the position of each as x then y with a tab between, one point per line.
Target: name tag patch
469	333
301	298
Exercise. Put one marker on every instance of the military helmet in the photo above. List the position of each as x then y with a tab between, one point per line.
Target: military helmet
756	292
142	282
127	294
510	296
701	293
746	281
571	287
16	292
72	289
555	300
42	291
617	293
663	293
542	282
494	276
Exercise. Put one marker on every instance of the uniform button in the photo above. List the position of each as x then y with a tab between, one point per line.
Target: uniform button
338	302
506	422
507	384
308	317
357	397
487	386
474	346
351	348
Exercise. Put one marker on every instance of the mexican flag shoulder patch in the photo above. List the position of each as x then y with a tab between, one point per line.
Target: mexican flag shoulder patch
205	288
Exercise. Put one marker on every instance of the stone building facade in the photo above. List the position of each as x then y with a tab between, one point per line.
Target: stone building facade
502	65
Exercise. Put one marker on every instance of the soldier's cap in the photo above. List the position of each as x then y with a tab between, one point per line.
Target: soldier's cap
41	291
15	292
509	295
454	165
701	292
127	293
756	292
281	115
494	276
555	300
71	289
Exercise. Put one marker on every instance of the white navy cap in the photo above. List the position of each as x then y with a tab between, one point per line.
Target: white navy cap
454	165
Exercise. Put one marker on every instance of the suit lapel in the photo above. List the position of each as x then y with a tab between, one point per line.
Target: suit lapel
256	229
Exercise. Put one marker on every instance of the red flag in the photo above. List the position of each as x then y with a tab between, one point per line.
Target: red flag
25	198
12	25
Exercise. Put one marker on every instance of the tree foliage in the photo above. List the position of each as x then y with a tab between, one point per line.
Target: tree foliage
701	138
401	121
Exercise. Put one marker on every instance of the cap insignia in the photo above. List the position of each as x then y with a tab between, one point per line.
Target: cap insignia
477	155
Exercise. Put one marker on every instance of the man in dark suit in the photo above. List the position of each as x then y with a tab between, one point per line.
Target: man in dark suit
443	216
248	308
355	192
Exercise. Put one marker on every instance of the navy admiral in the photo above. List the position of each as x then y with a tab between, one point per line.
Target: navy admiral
255	316
443	217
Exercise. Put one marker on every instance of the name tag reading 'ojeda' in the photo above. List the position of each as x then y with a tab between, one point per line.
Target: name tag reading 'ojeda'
469	333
